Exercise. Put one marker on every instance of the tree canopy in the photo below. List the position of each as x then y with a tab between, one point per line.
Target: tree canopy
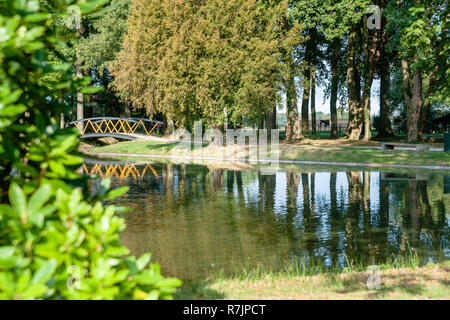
212	60
236	61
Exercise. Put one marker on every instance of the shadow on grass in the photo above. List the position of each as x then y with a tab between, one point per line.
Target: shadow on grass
169	146
198	290
406	284
161	146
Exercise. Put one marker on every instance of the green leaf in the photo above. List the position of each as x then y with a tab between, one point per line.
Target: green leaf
63	145
35	291
17	199
57	167
104	223
7	283
168	282
23	280
45	272
37	17
38	199
26	169
153	295
117	251
12	110
114	193
6	252
143	261
92	89
91	6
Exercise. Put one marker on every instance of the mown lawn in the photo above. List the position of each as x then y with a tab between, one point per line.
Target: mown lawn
364	155
310	150
429	282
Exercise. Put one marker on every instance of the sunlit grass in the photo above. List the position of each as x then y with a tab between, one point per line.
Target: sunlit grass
295	152
401	277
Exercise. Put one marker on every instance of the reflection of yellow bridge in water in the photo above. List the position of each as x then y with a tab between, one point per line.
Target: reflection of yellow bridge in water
121	171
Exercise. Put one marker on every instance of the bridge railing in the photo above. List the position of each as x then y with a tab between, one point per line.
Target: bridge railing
112	125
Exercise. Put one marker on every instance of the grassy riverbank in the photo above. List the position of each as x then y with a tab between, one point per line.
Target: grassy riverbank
409	282
309	150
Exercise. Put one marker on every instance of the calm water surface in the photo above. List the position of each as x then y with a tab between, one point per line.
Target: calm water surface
198	220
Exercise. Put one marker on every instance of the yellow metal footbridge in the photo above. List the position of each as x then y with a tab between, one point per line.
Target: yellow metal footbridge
122	128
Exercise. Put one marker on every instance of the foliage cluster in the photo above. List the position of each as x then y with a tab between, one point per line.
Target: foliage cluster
57	241
212	59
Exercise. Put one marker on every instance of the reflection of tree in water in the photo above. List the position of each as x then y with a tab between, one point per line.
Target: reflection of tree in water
419	226
335	222
355	197
292	182
362	238
308	221
427	216
196	219
381	240
411	215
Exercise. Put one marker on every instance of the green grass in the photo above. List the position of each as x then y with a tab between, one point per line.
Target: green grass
308	152
365	155
302	268
401	278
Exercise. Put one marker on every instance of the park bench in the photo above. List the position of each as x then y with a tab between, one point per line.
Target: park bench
392	145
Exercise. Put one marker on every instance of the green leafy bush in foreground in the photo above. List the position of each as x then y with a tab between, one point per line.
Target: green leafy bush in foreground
56	240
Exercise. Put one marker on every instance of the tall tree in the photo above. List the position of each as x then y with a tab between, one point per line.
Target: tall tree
422	40
313	100
293	129
192	60
306	85
385	128
97	51
335	52
353	86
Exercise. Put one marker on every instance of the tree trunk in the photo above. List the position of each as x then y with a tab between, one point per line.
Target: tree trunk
170	125
261	122
334	88
79	73
426	107
371	54
423	119
271	121
366	108
295	132
416	104
413	100
61	115
80	105
126	110
353	87
288	121
305	99
385	127
313	100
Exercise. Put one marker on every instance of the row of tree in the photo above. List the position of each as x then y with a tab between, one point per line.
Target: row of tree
236	61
